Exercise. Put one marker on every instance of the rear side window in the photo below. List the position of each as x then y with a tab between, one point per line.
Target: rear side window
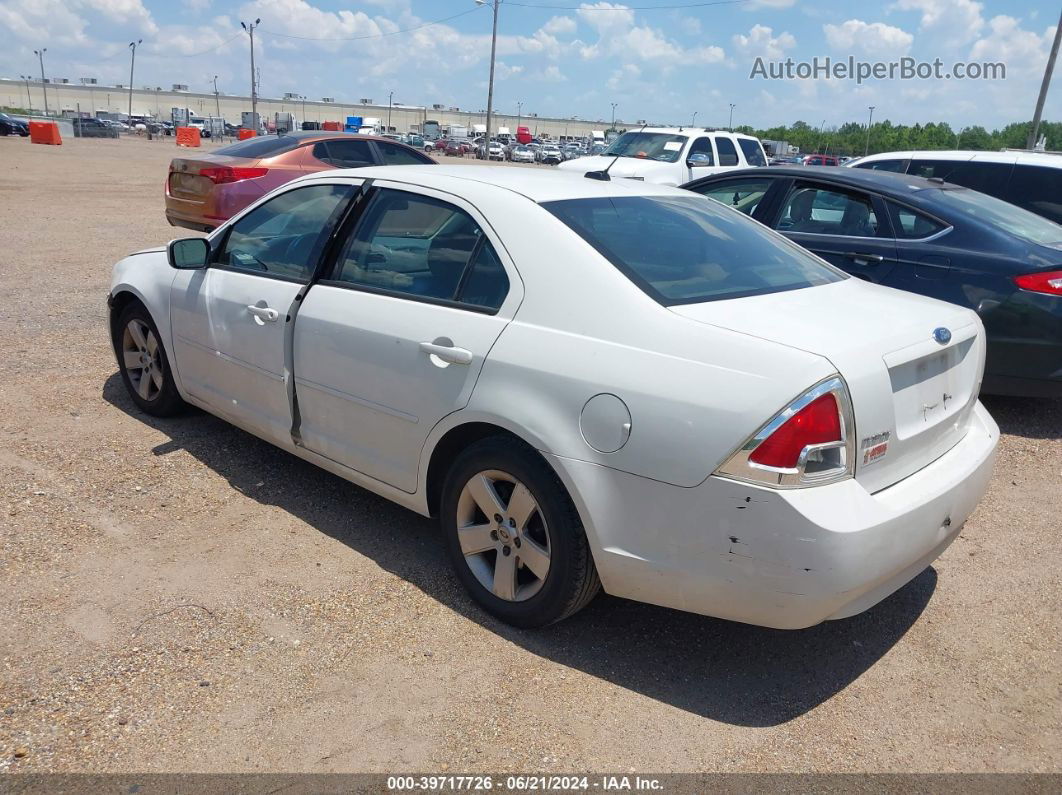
741	194
990	178
753	152
912	225
828	212
885	165
682	250
727	152
259	146
1037	189
401	156
344	154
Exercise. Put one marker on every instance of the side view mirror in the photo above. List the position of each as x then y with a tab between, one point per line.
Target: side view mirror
698	159
188	253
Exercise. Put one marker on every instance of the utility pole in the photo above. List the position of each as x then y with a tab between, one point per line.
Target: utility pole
490	84
870	121
390	98
254	93
1035	131
217	100
44	83
730	126
614	104
519	114
132	61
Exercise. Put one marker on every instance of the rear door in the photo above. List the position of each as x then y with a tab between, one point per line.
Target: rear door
393	338
849	229
230	321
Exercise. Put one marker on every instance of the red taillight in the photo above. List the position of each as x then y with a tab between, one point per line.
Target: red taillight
1049	282
818	422
220	175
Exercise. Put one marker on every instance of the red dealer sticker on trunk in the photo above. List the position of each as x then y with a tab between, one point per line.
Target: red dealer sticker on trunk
874	447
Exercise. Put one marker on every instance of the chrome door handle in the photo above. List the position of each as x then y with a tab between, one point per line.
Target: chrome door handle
264	313
447	353
864	258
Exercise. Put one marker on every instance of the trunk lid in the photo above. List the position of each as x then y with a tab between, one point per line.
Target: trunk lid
185	182
912	394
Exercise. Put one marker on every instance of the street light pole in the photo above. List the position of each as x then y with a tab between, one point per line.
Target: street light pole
44	83
730	126
29	99
870	121
390	98
254	93
490	84
132	61
693	122
519	114
217	100
614	104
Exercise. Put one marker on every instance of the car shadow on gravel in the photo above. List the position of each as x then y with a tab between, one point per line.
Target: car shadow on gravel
722	670
1032	418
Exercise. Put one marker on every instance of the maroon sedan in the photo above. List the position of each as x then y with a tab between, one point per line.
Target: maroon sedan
204	191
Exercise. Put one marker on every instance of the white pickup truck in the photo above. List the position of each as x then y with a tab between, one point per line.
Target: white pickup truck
673	155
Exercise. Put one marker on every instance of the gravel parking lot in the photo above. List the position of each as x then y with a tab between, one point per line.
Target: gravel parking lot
179	596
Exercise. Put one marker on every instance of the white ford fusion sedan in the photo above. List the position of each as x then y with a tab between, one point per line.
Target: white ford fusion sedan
591	383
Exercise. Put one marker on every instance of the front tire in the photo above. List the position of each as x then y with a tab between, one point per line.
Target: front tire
513	535
143	363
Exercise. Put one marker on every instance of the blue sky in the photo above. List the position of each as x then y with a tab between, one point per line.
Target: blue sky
558	57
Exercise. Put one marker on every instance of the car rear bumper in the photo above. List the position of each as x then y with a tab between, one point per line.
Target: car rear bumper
783	559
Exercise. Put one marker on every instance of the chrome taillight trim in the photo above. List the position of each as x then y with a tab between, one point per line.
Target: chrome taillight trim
739	467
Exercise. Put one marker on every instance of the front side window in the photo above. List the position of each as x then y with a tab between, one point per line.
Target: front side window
753	152
422	246
828	212
990	178
743	195
682	250
284	237
701	153
897	166
344	154
664	147
1037	189
727	152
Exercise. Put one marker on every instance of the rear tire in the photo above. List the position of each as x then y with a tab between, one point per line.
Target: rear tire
143	363
514	537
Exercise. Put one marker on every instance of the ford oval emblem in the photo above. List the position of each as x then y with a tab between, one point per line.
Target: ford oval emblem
942	335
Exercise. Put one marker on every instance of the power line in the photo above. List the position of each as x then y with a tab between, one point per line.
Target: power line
379	35
669	7
197	54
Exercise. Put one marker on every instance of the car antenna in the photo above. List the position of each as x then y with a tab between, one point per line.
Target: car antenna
603	173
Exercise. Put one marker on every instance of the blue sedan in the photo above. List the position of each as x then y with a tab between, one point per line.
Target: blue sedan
930	237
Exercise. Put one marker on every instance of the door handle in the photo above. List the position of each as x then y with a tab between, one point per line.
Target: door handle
264	313
447	353
855	256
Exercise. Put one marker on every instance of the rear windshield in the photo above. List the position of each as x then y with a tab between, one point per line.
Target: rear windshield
996	212
684	250
259	146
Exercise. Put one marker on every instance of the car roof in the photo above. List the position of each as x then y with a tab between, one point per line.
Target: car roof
478	181
325	135
692	131
1012	156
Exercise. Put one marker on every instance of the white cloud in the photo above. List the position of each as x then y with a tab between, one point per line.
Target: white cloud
761	42
757	4
871	38
1008	42
952	22
560	25
621	37
130	12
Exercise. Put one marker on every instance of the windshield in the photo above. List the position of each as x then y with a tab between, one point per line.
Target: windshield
1011	218
664	147
684	250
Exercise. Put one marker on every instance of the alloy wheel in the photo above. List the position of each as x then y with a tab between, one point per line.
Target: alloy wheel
140	355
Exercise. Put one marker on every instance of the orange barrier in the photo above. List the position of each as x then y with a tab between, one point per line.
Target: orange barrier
243	135
187	136
45	132
332	126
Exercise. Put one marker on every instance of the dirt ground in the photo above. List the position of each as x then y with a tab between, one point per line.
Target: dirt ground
179	596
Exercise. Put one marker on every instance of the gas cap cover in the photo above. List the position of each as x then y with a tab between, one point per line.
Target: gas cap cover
605	423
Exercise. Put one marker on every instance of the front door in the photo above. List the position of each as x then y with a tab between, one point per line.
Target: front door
393	339
849	229
231	321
